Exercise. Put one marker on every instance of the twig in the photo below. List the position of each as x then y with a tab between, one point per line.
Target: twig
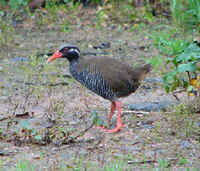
177	91
72	139
4	118
135	111
151	161
83	132
188	73
176	97
142	162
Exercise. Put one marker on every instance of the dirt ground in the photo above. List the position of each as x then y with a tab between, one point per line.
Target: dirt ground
47	118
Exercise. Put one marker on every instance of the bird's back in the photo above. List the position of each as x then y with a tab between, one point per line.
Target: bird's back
108	77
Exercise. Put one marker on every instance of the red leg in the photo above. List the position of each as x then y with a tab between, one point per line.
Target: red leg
119	122
116	105
113	107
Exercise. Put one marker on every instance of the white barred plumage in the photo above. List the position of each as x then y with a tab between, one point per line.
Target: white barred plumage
93	81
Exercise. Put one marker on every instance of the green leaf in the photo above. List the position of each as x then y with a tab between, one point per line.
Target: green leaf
170	77
190	88
17	4
156	61
96	119
67	1
167	89
191	53
191	67
182	161
38	137
185	83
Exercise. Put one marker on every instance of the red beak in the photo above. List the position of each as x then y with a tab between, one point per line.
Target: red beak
57	54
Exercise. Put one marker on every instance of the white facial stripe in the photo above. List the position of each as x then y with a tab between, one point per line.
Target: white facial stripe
71	50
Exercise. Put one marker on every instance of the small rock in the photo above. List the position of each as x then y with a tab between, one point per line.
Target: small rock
154	80
35	123
19	59
147	126
36	156
151	106
5	153
185	144
103	46
198	124
3	98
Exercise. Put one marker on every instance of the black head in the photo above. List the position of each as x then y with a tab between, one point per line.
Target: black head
70	52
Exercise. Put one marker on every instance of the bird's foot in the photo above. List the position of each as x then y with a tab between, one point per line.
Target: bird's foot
117	129
100	127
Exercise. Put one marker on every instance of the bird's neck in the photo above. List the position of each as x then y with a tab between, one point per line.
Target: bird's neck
73	66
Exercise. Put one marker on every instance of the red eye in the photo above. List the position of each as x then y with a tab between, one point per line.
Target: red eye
65	50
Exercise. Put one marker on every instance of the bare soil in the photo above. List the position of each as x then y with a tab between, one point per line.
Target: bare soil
44	114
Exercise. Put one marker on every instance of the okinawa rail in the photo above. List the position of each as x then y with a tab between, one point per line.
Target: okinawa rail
107	77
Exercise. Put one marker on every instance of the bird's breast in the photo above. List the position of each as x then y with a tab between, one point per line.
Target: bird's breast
94	81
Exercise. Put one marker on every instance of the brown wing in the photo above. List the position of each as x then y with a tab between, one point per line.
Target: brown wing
118	75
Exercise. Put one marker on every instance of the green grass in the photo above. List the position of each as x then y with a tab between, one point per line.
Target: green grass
7	31
81	164
185	13
163	163
183	120
25	165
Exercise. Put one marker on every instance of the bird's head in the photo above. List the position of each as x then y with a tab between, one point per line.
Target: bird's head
70	52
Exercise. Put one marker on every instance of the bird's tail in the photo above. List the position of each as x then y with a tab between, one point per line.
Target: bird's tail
141	72
147	68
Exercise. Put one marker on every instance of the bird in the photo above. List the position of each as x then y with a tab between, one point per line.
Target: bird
107	77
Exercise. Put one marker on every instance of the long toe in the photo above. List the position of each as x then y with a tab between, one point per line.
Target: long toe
100	127
117	129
